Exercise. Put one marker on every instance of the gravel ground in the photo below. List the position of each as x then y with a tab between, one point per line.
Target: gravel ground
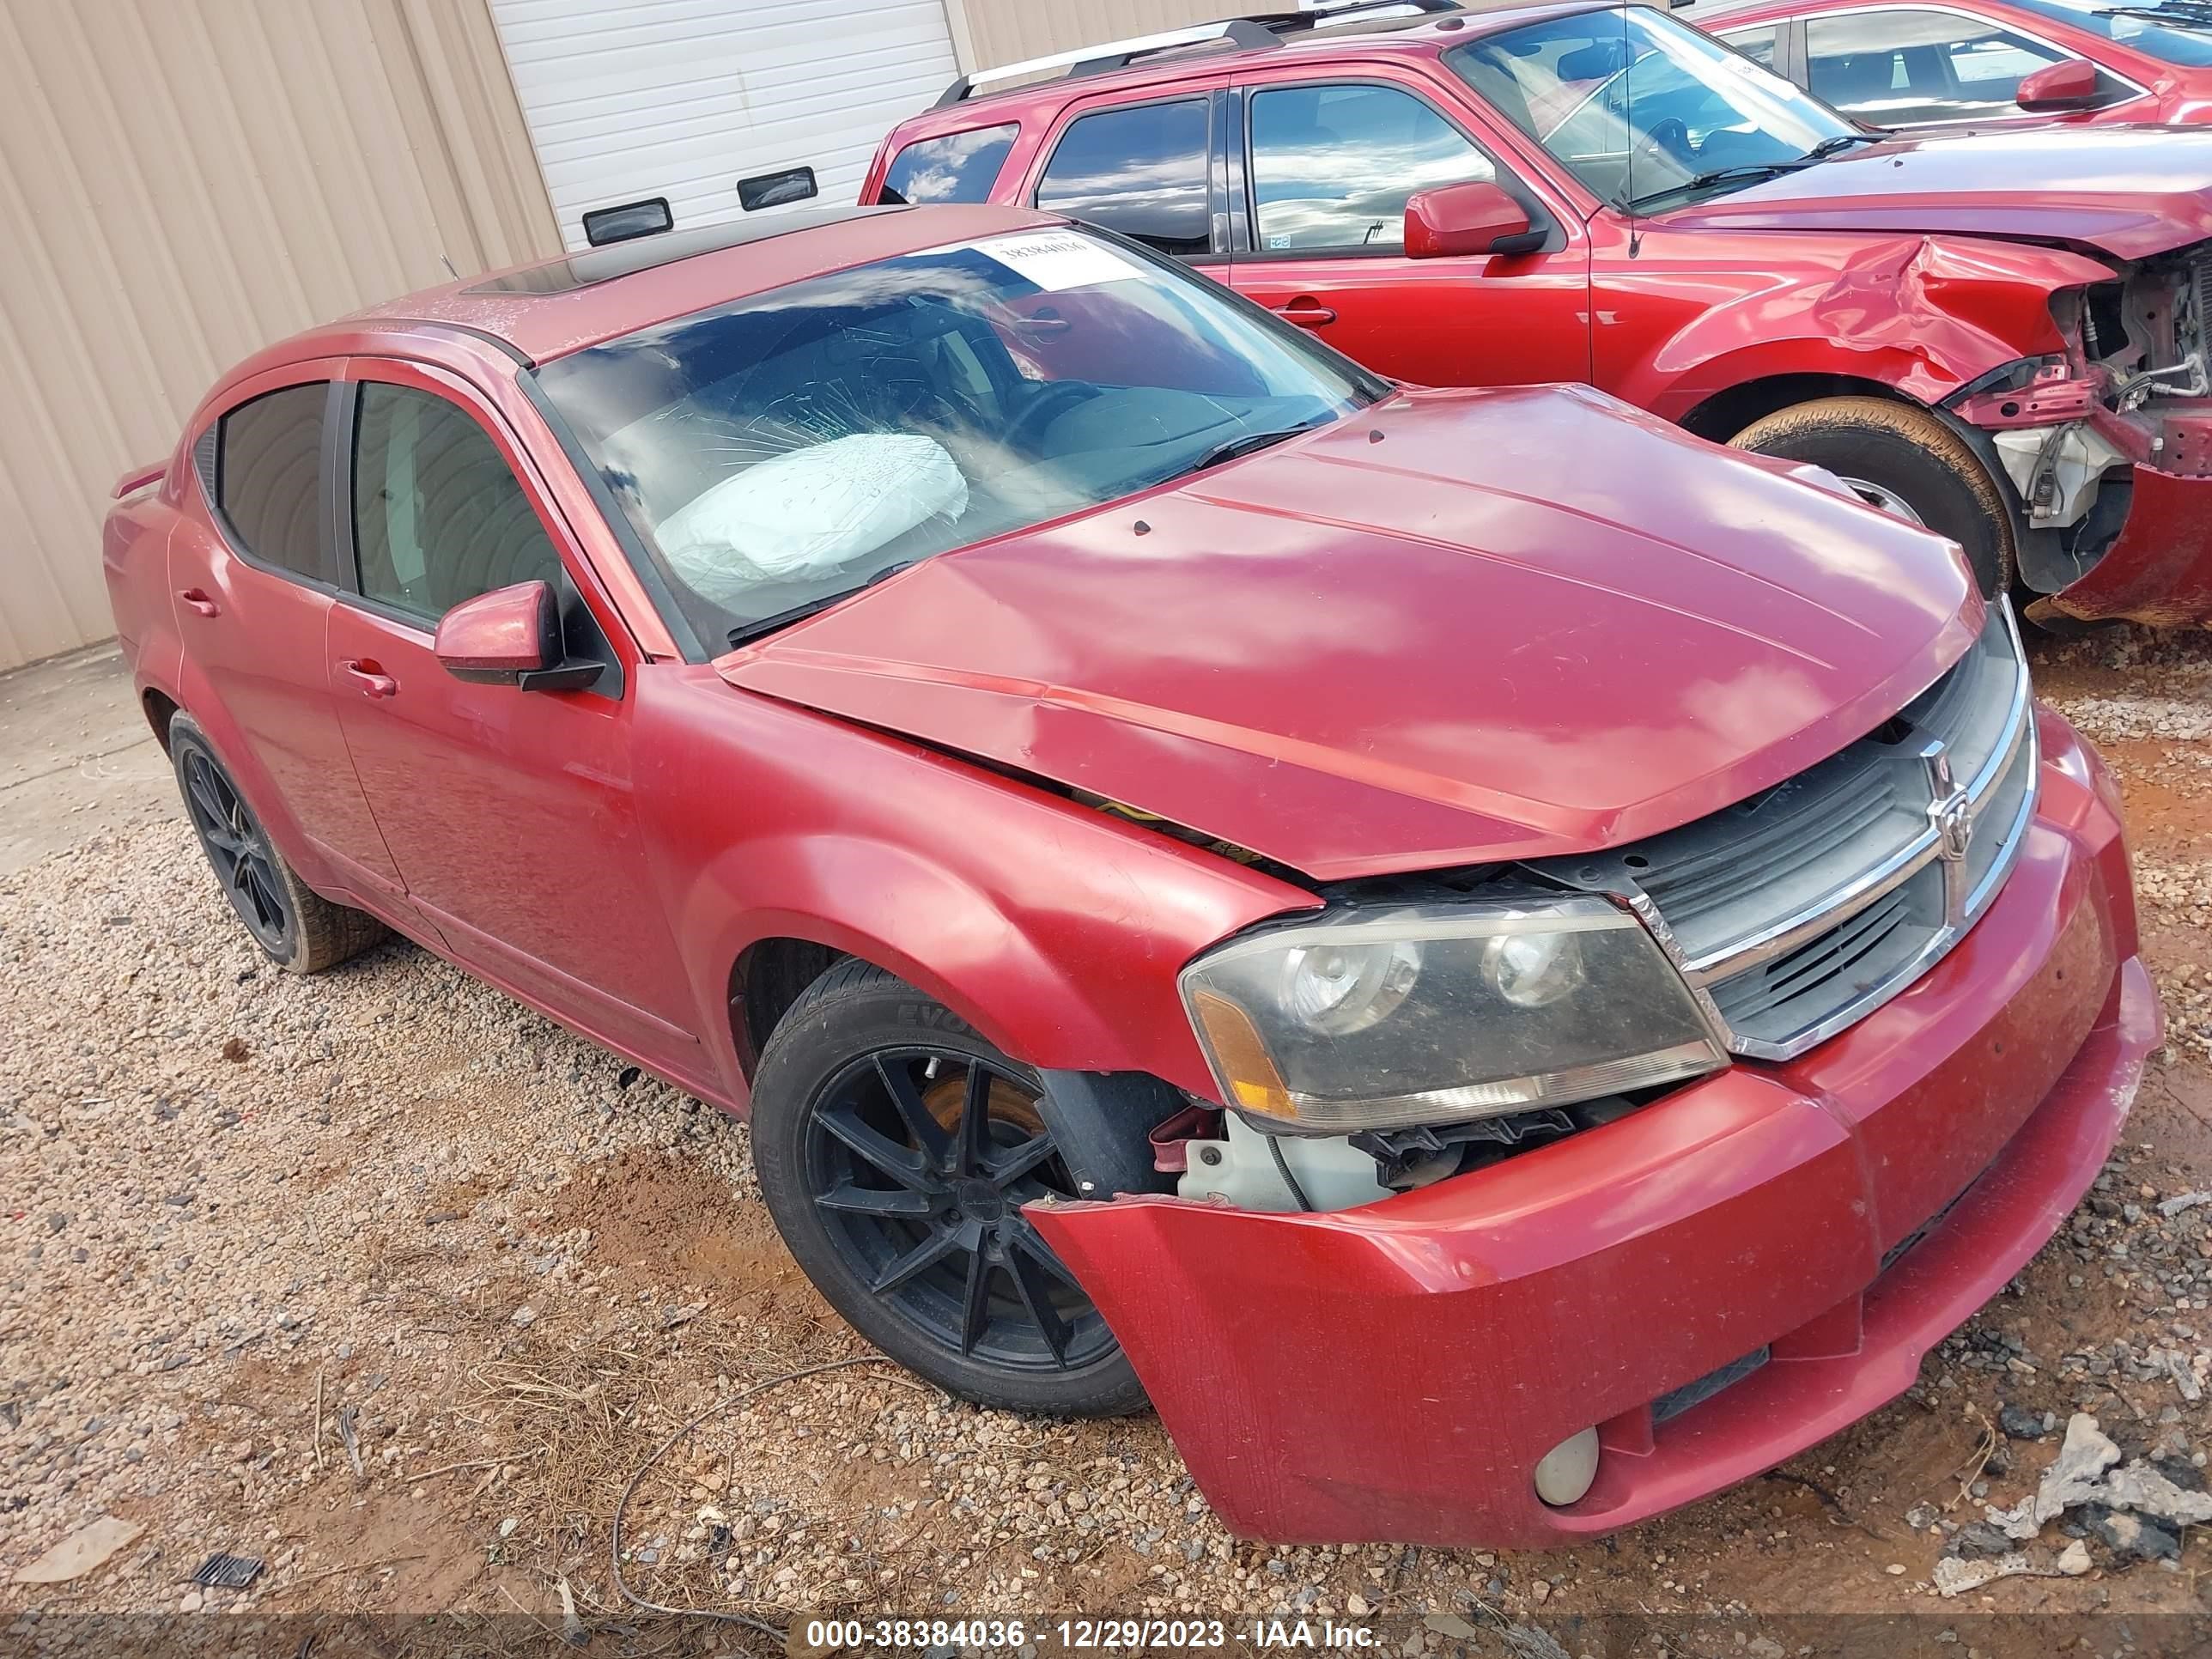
389	1282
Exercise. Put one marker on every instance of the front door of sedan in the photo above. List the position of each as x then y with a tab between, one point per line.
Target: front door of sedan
512	814
1326	167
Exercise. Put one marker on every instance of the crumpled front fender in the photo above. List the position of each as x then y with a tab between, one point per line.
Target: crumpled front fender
1925	316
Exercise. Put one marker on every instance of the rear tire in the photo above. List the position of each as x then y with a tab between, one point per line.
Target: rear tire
903	1206
1895	454
295	926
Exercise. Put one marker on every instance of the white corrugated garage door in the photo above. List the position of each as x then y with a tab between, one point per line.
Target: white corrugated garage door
632	99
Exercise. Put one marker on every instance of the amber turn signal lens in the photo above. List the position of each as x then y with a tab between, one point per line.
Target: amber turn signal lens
1254	1084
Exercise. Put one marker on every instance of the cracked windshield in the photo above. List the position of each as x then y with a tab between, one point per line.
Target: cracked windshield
781	452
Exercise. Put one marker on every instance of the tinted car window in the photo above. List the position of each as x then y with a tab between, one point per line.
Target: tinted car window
960	166
1898	68
438	517
2173	31
1332	167
1756	44
1141	171
268	464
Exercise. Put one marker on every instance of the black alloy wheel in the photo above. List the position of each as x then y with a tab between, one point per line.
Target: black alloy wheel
920	1159
239	852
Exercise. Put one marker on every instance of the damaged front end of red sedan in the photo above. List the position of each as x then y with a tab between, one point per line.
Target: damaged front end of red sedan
1802	944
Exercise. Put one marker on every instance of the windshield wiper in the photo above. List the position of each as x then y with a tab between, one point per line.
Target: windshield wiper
752	630
1753	173
1840	143
2191	13
1249	444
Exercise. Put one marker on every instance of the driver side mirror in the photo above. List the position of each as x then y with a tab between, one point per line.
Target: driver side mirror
1460	221
2056	87
510	636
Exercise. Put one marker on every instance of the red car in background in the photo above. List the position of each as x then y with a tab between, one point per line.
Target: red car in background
1507	967
2001	337
1981	63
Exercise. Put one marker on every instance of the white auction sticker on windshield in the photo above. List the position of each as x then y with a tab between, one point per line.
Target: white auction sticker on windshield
1057	259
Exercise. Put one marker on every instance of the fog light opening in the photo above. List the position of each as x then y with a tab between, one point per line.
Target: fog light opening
1568	1470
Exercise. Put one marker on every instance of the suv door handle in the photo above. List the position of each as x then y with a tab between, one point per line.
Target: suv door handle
373	681
1306	314
200	602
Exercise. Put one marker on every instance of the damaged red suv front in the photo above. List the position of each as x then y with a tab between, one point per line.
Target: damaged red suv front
2108	443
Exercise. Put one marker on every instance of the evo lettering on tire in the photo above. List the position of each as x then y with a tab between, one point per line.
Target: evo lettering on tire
1898	456
296	927
896	1147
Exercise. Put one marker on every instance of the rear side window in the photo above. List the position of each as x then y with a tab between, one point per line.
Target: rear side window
438	515
268	465
959	167
1139	171
1756	44
1333	167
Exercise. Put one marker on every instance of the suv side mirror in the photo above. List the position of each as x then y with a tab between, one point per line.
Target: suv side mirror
1462	220
2056	88
511	636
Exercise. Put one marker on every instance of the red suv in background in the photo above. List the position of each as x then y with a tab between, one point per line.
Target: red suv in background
1999	336
1981	63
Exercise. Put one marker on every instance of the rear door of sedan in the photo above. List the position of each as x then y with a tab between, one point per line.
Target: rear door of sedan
512	813
253	578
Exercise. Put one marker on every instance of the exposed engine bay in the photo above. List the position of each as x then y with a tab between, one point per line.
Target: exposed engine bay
2134	389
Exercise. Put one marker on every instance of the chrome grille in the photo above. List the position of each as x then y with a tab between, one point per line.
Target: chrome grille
1808	906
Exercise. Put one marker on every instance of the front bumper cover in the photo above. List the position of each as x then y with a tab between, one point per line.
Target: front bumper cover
2159	570
1394	1373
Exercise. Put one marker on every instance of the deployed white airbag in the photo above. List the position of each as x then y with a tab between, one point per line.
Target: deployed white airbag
809	512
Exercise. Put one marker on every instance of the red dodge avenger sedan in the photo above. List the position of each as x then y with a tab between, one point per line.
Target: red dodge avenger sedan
1504	966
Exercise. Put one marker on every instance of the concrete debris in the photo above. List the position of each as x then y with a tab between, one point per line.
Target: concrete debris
88	1547
2071	1479
2082	1474
1955	1576
2173	1207
2144	1489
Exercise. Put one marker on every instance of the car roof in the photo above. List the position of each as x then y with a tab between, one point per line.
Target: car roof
1364	37
547	309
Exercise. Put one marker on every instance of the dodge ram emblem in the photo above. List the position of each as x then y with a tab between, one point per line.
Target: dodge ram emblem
1952	811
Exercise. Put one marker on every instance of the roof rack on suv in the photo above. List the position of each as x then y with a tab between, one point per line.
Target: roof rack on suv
1239	34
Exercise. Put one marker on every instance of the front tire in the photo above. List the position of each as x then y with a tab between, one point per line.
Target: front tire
296	927
1902	460
894	1147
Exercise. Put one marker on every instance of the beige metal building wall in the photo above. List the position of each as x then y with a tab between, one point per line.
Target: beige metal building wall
182	181
991	32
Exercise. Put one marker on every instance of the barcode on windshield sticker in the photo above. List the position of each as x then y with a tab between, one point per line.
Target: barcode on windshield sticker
1057	259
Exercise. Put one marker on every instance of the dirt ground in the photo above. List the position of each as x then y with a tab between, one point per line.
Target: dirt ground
398	1287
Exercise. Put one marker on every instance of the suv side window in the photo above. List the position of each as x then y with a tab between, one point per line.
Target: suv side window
1333	166
1756	43
268	474
438	516
958	167
1900	67
1141	171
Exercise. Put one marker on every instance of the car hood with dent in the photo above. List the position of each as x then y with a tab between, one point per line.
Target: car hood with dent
2129	191
1458	627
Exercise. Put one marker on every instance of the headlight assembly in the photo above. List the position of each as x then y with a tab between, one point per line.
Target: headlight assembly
1380	1019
